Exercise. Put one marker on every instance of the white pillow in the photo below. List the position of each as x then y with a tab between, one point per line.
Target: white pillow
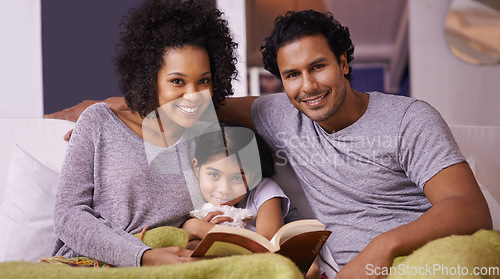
27	209
493	204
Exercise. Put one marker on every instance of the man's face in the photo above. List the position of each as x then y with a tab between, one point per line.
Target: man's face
312	78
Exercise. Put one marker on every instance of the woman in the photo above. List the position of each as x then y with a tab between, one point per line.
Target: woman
174	56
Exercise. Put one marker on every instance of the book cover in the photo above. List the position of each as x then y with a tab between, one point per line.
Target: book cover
300	241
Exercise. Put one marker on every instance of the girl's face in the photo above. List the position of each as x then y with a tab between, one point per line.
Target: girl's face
222	181
184	84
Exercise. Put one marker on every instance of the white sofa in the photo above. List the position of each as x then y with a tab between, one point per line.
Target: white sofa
29	173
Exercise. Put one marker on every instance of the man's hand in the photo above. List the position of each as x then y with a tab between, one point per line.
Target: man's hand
168	255
314	271
74	112
458	207
370	262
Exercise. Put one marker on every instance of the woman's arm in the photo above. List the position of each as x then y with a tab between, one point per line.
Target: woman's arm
79	225
76	222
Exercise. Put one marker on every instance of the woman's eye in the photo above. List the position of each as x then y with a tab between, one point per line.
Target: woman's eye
204	81
177	81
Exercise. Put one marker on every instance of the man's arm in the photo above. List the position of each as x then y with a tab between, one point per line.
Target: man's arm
74	112
458	207
237	110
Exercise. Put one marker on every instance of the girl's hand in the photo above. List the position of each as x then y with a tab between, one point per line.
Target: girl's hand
214	218
198	228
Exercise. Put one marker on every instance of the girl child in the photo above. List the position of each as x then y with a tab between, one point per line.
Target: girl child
175	58
233	167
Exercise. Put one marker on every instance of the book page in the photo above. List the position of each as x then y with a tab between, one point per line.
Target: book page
294	228
246	233
222	249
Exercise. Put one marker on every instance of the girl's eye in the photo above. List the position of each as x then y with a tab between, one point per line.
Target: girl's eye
177	81
214	175
204	81
238	178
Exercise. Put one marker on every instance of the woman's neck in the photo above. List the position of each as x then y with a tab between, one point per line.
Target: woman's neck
152	129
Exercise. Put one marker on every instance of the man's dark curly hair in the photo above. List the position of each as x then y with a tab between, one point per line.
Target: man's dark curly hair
161	24
296	25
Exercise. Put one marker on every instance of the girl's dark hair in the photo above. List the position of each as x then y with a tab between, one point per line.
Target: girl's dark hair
296	25
234	141
161	24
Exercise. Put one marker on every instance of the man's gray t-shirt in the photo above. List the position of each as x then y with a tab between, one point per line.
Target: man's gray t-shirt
367	178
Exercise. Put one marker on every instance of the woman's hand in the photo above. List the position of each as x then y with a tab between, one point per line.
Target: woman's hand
168	255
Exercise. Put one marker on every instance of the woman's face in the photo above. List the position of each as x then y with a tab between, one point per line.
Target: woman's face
222	181
184	84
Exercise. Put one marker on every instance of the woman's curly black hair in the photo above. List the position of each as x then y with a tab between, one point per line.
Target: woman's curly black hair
295	25
161	24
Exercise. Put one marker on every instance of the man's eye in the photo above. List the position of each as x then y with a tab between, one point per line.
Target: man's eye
318	66
291	75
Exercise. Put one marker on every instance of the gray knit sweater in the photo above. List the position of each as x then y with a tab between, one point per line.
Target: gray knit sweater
107	190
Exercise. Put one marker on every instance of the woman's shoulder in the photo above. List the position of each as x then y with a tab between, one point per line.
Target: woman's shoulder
94	117
96	112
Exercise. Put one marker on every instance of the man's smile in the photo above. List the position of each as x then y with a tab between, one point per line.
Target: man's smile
314	101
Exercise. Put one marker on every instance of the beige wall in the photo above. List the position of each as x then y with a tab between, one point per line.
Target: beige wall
465	94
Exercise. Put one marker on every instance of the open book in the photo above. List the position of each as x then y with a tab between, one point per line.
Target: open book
300	241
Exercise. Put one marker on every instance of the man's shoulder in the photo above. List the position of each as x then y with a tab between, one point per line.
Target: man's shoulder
391	98
272	112
395	104
272	104
280	99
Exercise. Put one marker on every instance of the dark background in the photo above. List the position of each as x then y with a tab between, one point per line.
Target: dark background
79	40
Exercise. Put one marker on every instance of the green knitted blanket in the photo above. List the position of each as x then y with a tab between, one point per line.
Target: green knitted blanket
248	266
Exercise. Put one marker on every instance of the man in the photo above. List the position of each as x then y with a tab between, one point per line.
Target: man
382	172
